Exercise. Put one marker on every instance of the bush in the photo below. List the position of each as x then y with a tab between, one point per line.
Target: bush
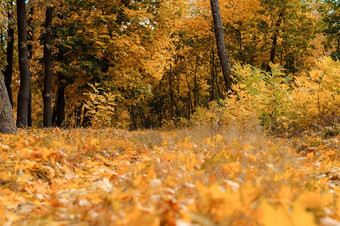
100	107
280	102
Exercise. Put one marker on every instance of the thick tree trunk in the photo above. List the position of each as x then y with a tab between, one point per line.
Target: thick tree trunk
7	122
47	93
25	83
221	48
10	51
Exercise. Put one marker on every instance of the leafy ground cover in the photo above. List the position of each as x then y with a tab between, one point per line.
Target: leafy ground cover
184	177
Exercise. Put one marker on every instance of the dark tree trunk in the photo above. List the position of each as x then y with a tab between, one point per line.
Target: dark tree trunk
59	107
58	116
221	48
189	102
30	37
29	116
7	122
10	51
47	93
133	126
240	47
171	94
24	90
196	96
2	39
212	72
274	41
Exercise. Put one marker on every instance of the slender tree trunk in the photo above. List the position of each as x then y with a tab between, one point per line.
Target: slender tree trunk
220	96
240	47
274	41
132	113
47	93
30	38
24	90
2	39
7	122
189	103
59	107
221	48
58	116
10	51
171	94
196	100
212	71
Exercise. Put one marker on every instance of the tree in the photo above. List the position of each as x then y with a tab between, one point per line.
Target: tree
331	17
10	50
7	122
274	42
47	93
24	90
30	40
220	42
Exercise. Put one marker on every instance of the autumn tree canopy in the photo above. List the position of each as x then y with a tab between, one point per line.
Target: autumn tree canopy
142	64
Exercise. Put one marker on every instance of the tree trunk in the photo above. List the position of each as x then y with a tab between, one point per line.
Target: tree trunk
30	38
196	96
274	41
10	51
221	48
47	93
2	39
59	107
240	47
24	90
58	116
212	72
7	122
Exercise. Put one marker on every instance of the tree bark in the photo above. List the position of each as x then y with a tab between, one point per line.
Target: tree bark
7	122
221	47
25	83
10	51
47	93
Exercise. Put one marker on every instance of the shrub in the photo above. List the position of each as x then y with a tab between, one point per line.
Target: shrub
100	107
280	102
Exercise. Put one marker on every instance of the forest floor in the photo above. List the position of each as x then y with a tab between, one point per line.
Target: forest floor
184	177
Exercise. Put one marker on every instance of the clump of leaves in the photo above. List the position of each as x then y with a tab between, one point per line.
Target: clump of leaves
100	107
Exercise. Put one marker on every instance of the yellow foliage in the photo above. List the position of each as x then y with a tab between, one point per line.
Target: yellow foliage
100	107
279	101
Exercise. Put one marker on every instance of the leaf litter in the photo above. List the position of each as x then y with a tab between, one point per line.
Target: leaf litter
184	177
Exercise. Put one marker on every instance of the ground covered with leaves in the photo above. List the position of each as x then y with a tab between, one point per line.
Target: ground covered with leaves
185	177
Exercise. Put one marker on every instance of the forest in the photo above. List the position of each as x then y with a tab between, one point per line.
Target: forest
170	112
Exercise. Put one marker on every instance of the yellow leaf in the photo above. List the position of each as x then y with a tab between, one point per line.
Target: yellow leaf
300	216
272	216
